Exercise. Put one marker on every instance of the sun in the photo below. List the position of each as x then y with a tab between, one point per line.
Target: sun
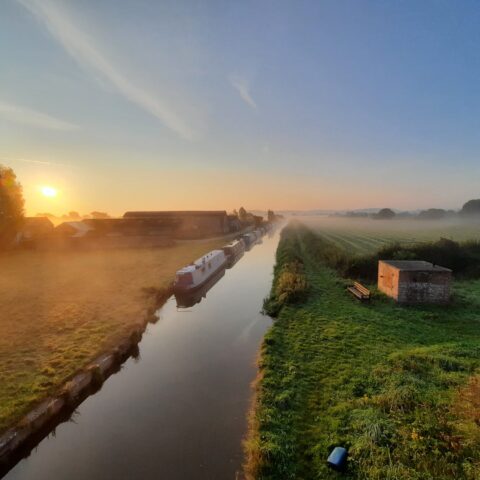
49	191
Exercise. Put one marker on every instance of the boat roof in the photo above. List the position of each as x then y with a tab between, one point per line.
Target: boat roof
232	243
199	262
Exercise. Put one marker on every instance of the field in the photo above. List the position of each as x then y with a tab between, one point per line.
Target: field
365	235
397	386
59	310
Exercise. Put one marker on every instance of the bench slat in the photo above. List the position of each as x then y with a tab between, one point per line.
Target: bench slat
361	288
359	291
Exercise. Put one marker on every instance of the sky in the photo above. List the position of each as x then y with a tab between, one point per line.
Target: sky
126	105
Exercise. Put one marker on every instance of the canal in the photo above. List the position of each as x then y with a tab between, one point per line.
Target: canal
177	411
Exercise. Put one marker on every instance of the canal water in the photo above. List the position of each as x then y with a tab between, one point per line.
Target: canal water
178	411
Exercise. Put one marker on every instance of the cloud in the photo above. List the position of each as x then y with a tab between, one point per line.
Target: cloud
84	51
243	88
34	162
18	114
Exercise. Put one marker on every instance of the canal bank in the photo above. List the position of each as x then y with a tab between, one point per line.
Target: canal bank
178	409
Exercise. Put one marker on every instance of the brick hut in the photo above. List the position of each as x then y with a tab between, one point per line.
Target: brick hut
414	281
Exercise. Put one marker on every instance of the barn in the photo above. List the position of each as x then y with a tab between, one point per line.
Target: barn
73	229
34	228
414	281
190	224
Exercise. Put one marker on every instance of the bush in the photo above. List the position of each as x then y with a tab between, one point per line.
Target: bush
289	283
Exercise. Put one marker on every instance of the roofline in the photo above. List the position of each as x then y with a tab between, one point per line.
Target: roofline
159	213
433	267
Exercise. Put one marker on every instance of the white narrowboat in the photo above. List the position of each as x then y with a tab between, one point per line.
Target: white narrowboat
195	275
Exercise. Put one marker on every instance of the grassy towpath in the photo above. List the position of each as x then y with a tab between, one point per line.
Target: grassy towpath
397	386
60	310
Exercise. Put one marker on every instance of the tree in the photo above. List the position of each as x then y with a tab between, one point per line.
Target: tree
385	214
242	214
74	215
270	215
472	207
432	214
11	205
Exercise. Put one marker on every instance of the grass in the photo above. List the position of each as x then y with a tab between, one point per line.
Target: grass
365	235
395	385
60	310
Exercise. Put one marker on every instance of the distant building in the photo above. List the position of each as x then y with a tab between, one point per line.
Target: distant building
73	229
148	226
414	281
257	220
234	223
190	224
34	228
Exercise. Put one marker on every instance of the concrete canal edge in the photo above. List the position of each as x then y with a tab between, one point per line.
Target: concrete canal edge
26	434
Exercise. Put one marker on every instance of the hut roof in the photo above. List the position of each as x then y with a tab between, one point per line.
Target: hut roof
415	266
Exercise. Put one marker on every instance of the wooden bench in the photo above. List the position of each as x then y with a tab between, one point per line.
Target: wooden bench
360	292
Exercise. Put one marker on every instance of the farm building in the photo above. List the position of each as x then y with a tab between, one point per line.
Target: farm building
34	228
73	229
190	224
132	226
414	281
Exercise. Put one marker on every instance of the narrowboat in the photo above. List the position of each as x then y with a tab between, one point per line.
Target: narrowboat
196	274
249	238
187	299
234	251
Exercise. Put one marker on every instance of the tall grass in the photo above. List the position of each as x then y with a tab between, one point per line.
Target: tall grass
290	284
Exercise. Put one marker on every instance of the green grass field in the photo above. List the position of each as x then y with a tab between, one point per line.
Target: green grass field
365	235
398	386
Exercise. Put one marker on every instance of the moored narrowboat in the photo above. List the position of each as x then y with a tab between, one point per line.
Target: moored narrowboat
195	275
249	238
234	251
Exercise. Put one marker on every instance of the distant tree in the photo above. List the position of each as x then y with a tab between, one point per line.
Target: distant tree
100	215
270	215
472	207
405	214
385	214
11	205
235	212
355	214
432	214
74	215
242	214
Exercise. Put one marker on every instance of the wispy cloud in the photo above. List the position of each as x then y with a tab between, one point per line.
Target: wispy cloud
83	49
243	88
34	162
27	116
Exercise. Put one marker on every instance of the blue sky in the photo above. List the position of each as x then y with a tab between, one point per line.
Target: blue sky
325	104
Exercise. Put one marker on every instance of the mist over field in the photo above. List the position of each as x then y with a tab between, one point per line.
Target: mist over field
375	233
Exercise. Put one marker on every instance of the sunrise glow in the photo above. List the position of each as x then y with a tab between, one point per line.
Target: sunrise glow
49	191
